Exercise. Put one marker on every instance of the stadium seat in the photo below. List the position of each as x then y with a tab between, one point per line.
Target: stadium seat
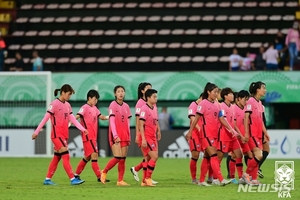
54	46
160	45
141	18
127	19
147	45
14	47
101	19
84	32
130	59
71	33
10	61
67	46
184	59
191	32
144	59
224	4
174	45
228	45
134	46
211	59
76	60
117	59
63	60
58	33
97	32
156	59
137	32
78	6
105	5
50	60
110	32
27	47
188	45
121	46
75	19
44	33
177	32
198	59
237	4
242	45
131	5
171	59
215	45
48	19
22	20
201	45
52	6
40	46
184	5
124	32
80	46
92	6
64	6
93	46
103	60
224	59
107	46
26	6
145	5
90	60
31	33
150	32
171	5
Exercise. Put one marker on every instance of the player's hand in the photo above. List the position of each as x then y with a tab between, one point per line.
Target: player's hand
188	136
234	133
246	138
158	135
243	139
70	124
144	143
34	136
137	141
117	140
86	132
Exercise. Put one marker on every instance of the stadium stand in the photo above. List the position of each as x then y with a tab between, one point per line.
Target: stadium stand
126	35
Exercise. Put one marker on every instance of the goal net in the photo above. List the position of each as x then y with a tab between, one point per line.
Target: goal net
24	98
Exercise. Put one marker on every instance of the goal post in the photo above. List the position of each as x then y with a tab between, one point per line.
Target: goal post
24	98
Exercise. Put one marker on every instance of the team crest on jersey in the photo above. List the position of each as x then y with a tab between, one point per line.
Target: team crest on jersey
50	107
212	141
152	145
142	114
190	111
81	110
224	146
248	107
199	108
138	110
110	111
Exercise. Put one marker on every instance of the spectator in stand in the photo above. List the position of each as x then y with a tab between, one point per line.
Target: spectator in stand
165	120
282	49
271	57
2	43
259	62
37	63
247	63
3	55
19	64
235	61
292	42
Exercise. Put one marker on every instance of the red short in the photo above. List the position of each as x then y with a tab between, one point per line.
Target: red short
195	144
208	142
122	143
151	146
227	146
244	146
90	147
255	142
59	142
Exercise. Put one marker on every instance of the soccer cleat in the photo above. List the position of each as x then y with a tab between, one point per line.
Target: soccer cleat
255	183
215	182
234	181
143	184
135	174
75	181
204	184
106	181
122	183
154	182
195	181
247	178
242	181
148	182
103	177
224	182
260	174
48	182
209	180
77	177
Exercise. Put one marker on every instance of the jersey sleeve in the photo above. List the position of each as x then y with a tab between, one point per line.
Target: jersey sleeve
143	114
81	111
137	109
128	111
200	109
249	107
192	110
98	112
111	110
51	109
70	109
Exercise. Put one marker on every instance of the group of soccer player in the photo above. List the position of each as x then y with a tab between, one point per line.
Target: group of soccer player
147	133
235	126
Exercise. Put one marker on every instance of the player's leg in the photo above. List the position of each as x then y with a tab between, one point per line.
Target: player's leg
117	153
193	162
134	170
52	168
229	155
205	165
88	150
121	165
151	166
266	151
65	156
253	164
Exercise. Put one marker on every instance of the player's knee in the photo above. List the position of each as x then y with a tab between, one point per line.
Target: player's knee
195	154
94	156
258	155
63	149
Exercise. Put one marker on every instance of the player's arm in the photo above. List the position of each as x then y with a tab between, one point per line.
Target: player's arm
142	132
266	133
225	123
112	125
40	126
137	132
158	131
193	125
246	125
192	118
77	124
238	131
103	117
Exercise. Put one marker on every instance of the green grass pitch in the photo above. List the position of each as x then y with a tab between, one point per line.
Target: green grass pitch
22	178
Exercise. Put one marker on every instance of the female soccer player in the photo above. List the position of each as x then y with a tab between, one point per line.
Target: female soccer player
119	134
210	114
89	115
148	130
254	127
60	112
194	142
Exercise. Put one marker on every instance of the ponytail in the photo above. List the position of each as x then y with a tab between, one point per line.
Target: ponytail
254	86
56	92
208	87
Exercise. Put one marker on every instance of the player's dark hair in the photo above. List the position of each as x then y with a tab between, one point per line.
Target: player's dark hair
141	87
235	94
92	93
254	86
117	87
243	93
225	91
65	88
149	93
208	88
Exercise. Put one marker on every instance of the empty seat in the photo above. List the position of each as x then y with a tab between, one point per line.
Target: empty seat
195	18
14	47
49	60
53	46
103	60
157	5
218	32
48	19
131	5
201	45
124	32
76	60
10	61
52	6
228	45
191	32
80	46
174	45
61	19
22	20
130	59
184	59
91	6
137	32
88	19
157	59
188	45
224	4
215	45
224	59
171	5
105	5
67	46
107	46
212	59
110	32
84	32
26	7
211	4
171	59
147	45
118	5
242	45
71	33
177	32
97	32
58	33
164	32
64	6
121	46
35	20
198	59
18	33
117	59
101	19
181	18
255	45
90	60
75	19
40	46
93	46
27	47
141	18
154	18
160	45
31	33
127	19
144	59
44	33
150	32
185	5
145	5
232	31
134	45
78	6
114	19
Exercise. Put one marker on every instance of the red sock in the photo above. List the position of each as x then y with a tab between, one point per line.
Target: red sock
80	167
232	164
239	166
111	164
121	169
193	168
210	171
150	168
96	168
139	166
252	168
214	162
145	164
53	165
204	168
66	163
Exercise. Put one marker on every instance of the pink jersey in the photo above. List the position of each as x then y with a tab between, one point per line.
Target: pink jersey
60	112
254	107
192	113
228	114
209	112
140	103
89	116
239	118
122	115
149	115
